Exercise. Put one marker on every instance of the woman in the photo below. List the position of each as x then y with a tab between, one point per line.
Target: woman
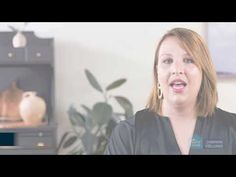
181	115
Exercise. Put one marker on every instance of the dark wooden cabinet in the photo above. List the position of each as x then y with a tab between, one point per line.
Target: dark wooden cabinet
32	67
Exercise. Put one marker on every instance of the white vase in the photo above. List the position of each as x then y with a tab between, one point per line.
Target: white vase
32	108
19	40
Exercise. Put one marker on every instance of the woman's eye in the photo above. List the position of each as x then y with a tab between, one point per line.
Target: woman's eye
168	61
188	60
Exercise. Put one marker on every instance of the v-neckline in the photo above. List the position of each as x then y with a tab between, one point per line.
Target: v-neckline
173	136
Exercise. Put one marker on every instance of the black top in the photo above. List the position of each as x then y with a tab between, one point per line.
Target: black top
149	133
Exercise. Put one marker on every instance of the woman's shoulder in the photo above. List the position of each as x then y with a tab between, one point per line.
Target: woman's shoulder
121	140
126	125
225	117
220	113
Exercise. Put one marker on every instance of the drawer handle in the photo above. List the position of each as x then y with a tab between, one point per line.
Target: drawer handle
40	144
38	54
10	55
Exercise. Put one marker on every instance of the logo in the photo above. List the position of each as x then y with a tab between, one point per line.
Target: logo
197	142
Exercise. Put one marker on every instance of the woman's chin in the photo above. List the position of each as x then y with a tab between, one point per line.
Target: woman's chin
178	100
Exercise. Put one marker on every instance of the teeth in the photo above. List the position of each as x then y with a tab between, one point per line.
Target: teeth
177	83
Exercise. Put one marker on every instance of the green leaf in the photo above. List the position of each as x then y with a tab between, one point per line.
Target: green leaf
89	120
76	152
75	117
70	141
125	104
116	84
62	140
110	126
89	141
92	80
101	146
102	113
86	108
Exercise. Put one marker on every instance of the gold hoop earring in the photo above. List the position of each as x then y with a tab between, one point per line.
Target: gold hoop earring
160	94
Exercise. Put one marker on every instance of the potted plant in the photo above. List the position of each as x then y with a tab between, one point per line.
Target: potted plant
91	130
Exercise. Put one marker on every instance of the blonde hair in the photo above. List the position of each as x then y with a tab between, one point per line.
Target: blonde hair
196	47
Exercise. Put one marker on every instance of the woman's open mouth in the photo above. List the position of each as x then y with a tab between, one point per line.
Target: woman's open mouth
178	85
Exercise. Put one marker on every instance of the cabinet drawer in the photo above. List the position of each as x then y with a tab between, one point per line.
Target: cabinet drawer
35	134
30	55
35	142
10	55
39	54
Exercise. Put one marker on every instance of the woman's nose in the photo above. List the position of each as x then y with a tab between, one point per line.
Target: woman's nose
177	72
177	69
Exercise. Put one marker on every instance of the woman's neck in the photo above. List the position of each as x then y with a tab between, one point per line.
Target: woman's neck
179	112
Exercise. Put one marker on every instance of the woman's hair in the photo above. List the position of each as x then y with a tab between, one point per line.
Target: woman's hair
195	46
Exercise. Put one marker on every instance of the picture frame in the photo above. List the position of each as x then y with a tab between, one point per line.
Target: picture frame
221	39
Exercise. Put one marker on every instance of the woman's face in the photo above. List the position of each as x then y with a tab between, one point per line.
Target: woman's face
178	76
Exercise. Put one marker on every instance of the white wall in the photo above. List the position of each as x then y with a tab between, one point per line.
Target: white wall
227	94
110	51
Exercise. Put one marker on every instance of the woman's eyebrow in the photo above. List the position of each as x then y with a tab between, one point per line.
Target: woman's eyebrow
186	55
166	54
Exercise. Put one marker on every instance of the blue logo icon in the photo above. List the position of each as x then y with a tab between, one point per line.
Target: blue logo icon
197	142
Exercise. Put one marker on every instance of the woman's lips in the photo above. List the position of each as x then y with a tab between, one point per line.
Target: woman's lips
178	85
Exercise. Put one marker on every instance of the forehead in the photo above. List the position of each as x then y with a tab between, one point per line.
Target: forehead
172	45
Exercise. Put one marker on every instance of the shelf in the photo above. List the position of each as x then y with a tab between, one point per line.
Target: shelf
32	68
20	125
